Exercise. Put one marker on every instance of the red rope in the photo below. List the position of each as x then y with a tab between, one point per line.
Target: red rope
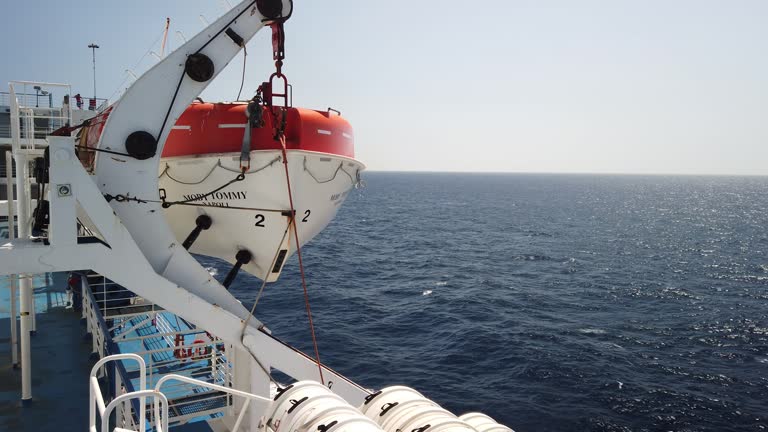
301	263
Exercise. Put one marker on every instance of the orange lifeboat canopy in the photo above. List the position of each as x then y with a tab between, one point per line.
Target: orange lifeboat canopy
206	128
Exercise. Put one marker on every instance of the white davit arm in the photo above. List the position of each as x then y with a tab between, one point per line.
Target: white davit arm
146	113
152	105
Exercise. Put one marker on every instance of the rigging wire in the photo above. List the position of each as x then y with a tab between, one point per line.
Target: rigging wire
181	79
166	204
96	149
117	90
258	297
301	262
242	80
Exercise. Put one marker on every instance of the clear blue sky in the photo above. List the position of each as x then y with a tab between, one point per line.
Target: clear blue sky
621	86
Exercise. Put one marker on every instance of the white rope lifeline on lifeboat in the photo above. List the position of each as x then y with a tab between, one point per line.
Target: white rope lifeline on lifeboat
217	165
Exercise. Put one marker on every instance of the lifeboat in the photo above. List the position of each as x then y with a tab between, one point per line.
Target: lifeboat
247	222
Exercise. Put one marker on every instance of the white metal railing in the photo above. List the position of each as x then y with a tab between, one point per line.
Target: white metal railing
96	400
227	390
160	400
161	420
125	305
94	321
129	321
29	99
4	170
29	122
201	358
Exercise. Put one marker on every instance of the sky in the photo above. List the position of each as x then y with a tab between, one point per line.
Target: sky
588	86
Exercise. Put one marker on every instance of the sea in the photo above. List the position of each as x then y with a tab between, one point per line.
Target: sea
549	302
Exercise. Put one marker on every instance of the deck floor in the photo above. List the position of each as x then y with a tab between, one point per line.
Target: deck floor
60	365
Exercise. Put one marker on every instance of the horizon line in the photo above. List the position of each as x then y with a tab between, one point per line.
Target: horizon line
659	174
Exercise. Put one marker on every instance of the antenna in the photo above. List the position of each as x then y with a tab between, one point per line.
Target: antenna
165	37
93	47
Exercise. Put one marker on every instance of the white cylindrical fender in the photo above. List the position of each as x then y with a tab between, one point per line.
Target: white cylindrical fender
291	398
403	412
315	408
450	425
426	419
309	405
385	399
484	423
342	422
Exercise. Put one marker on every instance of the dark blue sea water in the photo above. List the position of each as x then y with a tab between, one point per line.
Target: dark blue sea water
550	302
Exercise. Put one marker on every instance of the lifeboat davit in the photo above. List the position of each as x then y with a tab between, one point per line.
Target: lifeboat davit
203	153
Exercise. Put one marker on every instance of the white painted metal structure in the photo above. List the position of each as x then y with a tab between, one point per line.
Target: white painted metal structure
13	283
23	143
141	253
96	400
153	104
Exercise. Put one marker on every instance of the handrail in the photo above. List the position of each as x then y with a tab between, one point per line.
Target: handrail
161	422
104	344
100	326
96	398
248	396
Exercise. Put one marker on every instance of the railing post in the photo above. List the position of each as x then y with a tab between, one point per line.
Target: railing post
96	399
25	291
94	340
83	302
229	391
242	414
161	421
14	278
214	364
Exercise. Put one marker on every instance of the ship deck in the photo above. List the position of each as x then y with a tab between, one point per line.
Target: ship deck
60	364
62	359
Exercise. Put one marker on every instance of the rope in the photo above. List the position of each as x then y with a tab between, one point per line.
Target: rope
258	297
96	149
253	171
339	168
301	262
189	202
167	167
216	165
242	80
170	106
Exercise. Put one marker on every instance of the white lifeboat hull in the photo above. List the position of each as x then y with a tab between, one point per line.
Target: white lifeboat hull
253	214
